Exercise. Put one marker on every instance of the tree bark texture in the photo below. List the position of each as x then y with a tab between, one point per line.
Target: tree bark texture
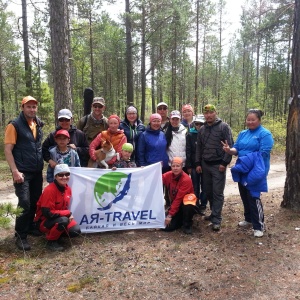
60	54
291	197
129	67
27	63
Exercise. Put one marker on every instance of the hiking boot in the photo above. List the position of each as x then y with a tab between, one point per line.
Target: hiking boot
258	233
244	224
22	244
54	246
187	229
216	227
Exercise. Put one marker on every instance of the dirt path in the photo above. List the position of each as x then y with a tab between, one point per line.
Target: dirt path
276	179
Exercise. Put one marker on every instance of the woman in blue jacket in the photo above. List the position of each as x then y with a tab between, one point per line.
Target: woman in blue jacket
132	127
254	139
152	145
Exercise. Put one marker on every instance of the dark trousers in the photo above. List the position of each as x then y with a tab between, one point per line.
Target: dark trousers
214	184
56	227
253	209
28	193
198	188
184	217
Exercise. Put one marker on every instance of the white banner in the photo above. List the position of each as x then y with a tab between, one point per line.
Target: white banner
105	200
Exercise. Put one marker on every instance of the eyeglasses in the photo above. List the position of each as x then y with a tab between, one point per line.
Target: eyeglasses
98	105
64	120
61	175
162	108
197	124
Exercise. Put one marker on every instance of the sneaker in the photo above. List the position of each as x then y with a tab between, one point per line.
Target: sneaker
22	244
187	230
216	227
258	233
244	224
54	246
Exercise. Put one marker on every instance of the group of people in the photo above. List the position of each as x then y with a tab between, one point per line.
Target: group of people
194	152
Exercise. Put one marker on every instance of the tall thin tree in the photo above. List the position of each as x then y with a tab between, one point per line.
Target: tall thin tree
129	67
27	64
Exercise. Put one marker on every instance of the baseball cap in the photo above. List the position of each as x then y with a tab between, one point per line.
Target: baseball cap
209	107
199	118
175	114
27	99
61	168
65	113
189	199
99	100
162	104
62	132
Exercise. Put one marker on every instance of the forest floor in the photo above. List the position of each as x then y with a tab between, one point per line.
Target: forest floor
152	264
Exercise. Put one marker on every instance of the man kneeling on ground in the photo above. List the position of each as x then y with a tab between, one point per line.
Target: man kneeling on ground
53	214
182	200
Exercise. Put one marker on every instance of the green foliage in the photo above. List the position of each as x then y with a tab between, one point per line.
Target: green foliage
7	212
278	129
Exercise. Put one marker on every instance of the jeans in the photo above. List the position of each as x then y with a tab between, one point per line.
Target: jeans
198	188
28	193
214	184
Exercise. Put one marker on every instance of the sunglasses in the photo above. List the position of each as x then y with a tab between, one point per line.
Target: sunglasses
61	175
197	124
162	108
64	120
98	106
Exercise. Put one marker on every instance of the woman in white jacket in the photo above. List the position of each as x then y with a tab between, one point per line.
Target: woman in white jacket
176	138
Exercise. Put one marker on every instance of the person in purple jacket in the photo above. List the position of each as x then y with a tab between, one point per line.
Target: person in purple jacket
254	139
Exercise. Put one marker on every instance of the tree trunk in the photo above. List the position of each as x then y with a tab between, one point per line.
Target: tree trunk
27	64
129	68
91	50
143	62
291	197
60	54
197	57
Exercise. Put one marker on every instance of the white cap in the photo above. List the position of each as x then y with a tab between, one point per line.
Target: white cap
161	104
199	118
61	168
175	114
65	113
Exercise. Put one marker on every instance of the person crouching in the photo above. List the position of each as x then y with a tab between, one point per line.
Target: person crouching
182	200
53	214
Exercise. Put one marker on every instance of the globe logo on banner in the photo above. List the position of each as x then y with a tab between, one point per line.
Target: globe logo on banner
111	188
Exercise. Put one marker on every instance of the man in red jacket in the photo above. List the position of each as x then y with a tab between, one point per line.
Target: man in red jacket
182	200
53	214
